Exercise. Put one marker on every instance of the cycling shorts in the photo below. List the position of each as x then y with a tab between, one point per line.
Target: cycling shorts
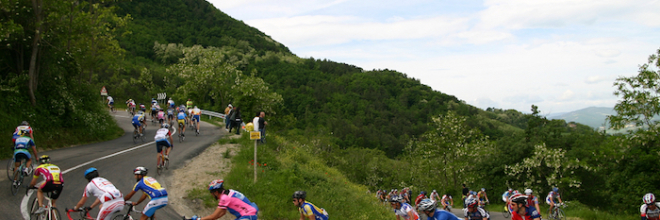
109	208
154	205
250	217
182	121
21	154
54	189
136	123
162	143
111	103
170	117
196	118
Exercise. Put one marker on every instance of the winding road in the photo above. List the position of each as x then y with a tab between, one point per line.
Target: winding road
115	161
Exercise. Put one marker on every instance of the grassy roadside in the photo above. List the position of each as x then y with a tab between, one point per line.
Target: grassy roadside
285	167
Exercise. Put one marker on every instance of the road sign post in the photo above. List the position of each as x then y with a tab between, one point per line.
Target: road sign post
255	135
104	92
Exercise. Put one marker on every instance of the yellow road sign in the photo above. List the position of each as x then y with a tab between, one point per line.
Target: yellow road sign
255	135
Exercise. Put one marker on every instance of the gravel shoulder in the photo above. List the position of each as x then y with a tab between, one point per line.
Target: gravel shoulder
196	173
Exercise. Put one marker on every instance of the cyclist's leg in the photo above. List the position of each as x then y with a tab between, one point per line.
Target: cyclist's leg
109	208
159	150
168	148
196	118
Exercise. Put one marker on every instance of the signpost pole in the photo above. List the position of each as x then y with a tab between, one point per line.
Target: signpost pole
255	161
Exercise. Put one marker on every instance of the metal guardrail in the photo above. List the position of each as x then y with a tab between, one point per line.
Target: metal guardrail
212	114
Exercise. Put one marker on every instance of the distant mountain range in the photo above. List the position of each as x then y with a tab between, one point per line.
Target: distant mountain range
592	116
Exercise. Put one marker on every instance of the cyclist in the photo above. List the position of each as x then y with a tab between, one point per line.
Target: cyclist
483	198
163	139
196	112
230	200
154	109
520	209
130	104
52	182
21	146
506	195
170	115
171	103
531	199
447	200
143	108
430	209
470	195
649	209
25	126
137	121
161	116
422	195
189	103
308	209
181	119
434	196
151	188
552	198
402	209
111	102
106	193
473	211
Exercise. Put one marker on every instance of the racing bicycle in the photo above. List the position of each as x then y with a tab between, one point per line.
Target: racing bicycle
137	135
127	216
17	175
507	212
164	163
51	212
181	137
558	213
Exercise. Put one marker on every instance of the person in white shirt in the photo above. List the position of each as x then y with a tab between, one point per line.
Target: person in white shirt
110	198
255	121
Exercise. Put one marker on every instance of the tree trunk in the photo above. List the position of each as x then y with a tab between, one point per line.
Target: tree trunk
32	72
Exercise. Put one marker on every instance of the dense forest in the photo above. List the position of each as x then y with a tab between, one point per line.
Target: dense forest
379	127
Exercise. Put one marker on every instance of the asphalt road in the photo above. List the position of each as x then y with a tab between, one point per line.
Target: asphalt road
117	169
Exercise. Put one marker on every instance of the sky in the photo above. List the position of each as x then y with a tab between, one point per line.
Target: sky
560	55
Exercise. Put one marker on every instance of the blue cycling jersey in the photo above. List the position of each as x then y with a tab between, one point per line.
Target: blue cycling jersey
443	215
151	187
181	115
23	143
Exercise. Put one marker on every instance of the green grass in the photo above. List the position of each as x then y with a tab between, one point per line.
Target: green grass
293	168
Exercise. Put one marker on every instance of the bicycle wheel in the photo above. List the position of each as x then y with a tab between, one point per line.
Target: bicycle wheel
14	188
142	136
159	170
135	136
120	217
10	169
506	212
33	208
167	164
561	215
55	214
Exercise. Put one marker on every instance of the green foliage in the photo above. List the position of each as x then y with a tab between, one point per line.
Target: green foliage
640	96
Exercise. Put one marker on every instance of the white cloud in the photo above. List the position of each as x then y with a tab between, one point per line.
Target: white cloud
596	79
567	95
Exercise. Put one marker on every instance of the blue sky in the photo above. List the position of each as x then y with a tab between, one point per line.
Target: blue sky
561	55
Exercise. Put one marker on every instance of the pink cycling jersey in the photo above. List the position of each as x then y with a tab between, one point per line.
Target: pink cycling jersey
161	115
49	172
237	204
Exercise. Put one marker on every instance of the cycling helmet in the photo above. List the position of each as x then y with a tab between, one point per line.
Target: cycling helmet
91	173
427	205
44	159
422	192
140	171
649	198
165	125
474	193
216	184
299	195
528	191
483	189
518	198
25	123
396	199
555	189
434	191
510	190
471	203
516	192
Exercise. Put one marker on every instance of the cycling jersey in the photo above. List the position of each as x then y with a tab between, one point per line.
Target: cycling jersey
479	214
419	199
446	199
530	214
443	215
308	209
102	189
650	214
143	108
170	111
552	195
532	200
161	115
404	210
162	134
181	116
505	196
237	204
50	173
151	187
434	196
24	128
136	120
23	143
111	100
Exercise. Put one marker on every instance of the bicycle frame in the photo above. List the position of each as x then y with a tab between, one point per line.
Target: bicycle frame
84	214
49	207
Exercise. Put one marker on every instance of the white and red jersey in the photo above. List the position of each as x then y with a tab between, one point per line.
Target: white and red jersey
23	127
103	189
407	212
650	214
434	196
162	134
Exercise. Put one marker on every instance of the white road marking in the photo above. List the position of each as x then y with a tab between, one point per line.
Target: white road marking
26	198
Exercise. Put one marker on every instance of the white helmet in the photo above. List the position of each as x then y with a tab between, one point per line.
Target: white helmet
649	198
528	191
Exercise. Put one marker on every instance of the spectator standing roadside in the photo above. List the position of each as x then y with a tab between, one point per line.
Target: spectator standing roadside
232	118
237	120
465	193
262	126
255	122
227	115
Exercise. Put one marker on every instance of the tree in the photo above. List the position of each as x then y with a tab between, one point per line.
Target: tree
640	96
